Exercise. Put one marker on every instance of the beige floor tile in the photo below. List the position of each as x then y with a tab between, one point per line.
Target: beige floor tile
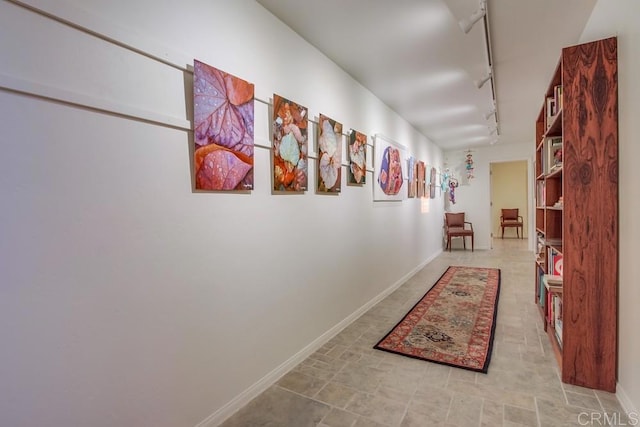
339	418
279	407
583	401
520	416
336	394
492	414
301	383
378	409
465	410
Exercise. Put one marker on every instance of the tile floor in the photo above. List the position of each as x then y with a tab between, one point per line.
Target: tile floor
348	383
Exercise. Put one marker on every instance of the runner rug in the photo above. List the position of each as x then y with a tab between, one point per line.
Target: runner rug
453	323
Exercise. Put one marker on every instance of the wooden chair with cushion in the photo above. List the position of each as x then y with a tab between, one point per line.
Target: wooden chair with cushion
456	226
510	218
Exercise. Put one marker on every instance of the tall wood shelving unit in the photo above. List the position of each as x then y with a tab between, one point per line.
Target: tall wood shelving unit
577	213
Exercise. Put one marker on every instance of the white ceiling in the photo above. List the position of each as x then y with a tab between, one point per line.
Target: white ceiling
413	55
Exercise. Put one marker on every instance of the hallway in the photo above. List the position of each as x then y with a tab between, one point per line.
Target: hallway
348	383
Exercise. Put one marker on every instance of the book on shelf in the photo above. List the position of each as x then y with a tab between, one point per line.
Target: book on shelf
557	95
540	246
542	290
553	241
553	283
540	194
552	154
556	304
550	111
554	261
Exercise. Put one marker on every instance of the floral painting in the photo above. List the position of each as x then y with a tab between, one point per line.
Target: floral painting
389	164
421	172
290	145
223	130
412	177
329	155
357	172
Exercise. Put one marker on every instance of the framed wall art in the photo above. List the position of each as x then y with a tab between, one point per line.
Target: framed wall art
290	145
433	183
412	177
223	121
357	157
329	155
389	169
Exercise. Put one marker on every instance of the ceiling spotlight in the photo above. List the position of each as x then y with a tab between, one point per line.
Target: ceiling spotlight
480	83
489	114
467	24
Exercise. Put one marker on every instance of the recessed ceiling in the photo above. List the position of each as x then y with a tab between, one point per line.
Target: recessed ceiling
413	55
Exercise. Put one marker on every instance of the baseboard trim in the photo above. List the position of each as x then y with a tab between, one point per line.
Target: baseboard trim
272	377
626	403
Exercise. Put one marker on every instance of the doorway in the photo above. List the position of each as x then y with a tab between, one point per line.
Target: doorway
509	190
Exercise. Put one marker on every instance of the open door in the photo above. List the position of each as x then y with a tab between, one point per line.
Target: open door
509	190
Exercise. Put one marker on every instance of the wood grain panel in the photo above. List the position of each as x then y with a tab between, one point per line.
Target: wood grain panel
590	163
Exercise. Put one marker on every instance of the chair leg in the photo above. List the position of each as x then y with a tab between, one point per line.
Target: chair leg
464	243
472	243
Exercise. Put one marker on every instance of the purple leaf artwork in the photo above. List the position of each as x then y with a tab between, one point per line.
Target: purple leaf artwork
223	130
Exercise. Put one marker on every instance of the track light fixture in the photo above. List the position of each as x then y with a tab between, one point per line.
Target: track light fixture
481	82
467	24
489	114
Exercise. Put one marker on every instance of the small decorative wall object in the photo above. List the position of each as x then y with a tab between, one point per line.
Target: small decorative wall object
357	154
329	155
223	130
421	178
469	165
290	145
453	184
432	183
389	161
444	181
412	177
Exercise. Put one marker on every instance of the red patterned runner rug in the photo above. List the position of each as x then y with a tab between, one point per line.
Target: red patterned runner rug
453	323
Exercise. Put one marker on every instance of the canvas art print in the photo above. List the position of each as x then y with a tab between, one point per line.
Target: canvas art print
421	172
329	155
290	145
223	130
432	183
412	177
389	164
357	172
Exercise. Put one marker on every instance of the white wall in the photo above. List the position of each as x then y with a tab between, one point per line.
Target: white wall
474	198
611	18
126	298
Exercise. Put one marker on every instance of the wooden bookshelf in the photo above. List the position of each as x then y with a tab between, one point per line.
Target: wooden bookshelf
576	213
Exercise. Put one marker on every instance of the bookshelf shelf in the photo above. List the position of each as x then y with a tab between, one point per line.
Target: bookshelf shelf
576	200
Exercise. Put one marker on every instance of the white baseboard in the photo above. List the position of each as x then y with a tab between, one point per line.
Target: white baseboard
625	402
272	377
